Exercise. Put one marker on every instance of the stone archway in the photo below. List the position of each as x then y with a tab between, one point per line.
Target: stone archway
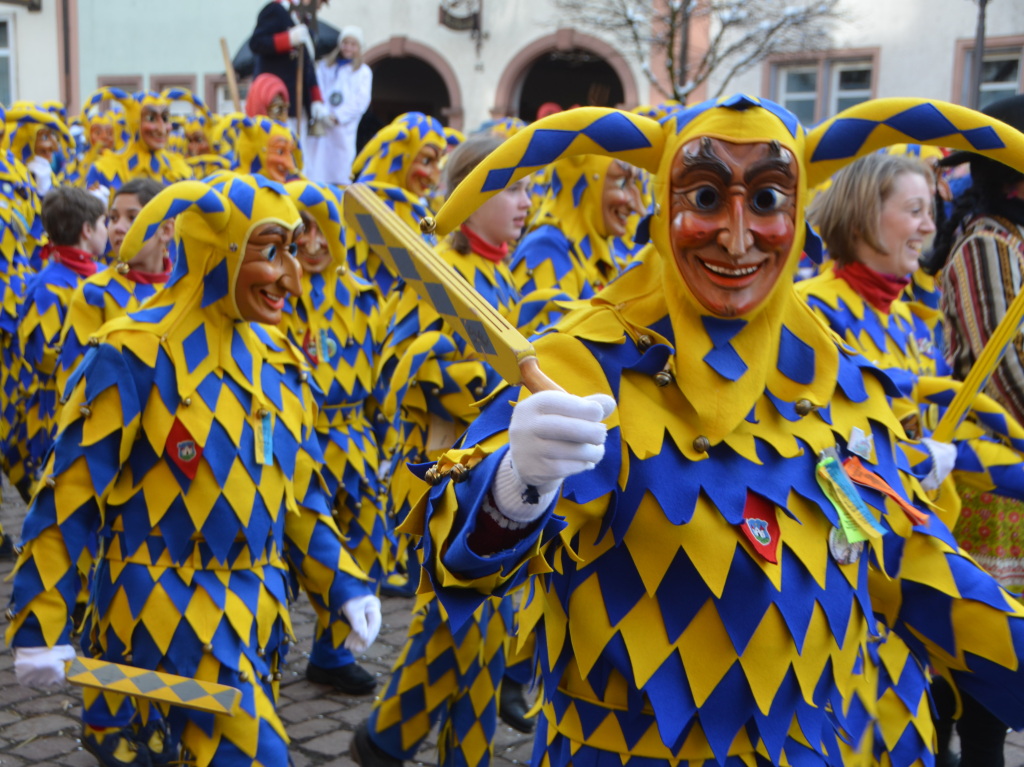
436	90
607	65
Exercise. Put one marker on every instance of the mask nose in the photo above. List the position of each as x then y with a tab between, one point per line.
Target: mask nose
735	236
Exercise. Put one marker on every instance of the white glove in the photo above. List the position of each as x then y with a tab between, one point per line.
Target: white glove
553	435
42	666
299	35
943	460
42	173
319	112
363	614
101	193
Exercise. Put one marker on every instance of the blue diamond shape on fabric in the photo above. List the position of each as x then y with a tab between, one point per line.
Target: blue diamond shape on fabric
439	298
796	358
215	284
195	348
497	179
844	138
616	133
787	118
396	164
984	138
405	265
546	146
684	117
579	189
243	196
555	184
370	231
478	337
922	122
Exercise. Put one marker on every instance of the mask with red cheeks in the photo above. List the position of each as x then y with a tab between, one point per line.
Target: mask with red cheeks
154	127
280	163
732	221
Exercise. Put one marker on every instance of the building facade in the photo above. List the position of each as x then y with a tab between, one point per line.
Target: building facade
468	61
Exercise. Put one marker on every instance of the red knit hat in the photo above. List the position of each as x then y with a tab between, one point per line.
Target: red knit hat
262	92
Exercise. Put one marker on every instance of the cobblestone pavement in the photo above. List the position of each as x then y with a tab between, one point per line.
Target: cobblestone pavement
40	728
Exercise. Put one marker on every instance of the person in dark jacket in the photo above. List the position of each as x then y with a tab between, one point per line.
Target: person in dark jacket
278	43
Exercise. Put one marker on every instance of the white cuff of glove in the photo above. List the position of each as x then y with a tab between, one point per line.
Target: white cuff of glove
517	500
943	461
363	615
42	666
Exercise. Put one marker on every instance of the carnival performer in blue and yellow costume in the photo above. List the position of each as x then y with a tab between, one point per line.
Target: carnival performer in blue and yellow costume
401	163
589	200
699	592
264	146
105	129
114	292
187	465
337	323
76	223
197	133
34	136
876	216
446	675
148	118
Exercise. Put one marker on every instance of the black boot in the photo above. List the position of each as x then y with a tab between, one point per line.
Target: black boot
351	679
366	753
512	706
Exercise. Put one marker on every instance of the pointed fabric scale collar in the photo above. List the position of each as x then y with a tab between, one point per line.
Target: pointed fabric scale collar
763	344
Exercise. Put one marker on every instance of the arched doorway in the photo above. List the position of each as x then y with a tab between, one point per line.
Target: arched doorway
576	77
568	68
409	77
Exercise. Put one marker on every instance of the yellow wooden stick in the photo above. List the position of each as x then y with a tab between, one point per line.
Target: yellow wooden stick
493	337
153	685
982	370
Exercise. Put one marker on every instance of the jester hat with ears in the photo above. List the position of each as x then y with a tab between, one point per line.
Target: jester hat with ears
249	138
106	107
213	222
24	120
321	203
653	146
388	156
776	345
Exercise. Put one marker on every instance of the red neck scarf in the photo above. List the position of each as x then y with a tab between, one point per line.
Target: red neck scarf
478	245
151	278
879	290
79	261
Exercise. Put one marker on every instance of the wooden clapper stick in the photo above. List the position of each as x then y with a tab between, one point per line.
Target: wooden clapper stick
981	371
492	336
153	685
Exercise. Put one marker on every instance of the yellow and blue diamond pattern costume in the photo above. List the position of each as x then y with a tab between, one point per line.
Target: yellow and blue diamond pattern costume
137	160
187	466
338	325
665	636
443	674
383	165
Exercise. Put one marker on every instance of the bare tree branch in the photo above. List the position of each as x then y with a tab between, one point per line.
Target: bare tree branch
741	34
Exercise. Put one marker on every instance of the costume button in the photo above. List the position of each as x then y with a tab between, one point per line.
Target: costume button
663	378
478	391
342	270
459	473
413	382
187	401
277	676
261	651
644	341
702	444
207	648
51	482
433	475
243	676
804	406
128	658
10	614
303	376
93	341
85	410
262	413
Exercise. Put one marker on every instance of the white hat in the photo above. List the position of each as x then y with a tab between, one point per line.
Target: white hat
356	33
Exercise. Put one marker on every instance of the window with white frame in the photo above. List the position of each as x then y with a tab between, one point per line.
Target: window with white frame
6	61
817	89
1002	69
